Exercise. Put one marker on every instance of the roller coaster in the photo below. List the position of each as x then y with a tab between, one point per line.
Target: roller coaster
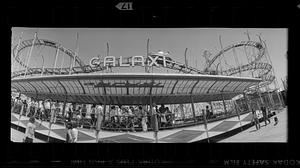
80	67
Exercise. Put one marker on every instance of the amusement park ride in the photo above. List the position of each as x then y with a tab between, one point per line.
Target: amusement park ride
240	74
258	63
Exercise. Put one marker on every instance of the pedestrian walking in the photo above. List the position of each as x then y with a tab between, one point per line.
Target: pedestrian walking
30	129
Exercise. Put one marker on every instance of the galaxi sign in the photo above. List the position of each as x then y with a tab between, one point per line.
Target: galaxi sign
112	61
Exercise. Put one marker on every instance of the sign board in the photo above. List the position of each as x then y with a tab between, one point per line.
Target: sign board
124	6
151	60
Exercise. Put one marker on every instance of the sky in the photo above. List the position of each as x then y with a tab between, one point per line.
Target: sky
128	42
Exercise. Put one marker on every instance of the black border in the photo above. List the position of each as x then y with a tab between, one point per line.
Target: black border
188	13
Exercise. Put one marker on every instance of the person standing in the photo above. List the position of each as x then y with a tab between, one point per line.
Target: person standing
93	111
57	110
69	113
74	132
30	129
78	116
207	113
83	111
113	112
265	116
69	134
154	122
144	118
52	114
99	113
255	119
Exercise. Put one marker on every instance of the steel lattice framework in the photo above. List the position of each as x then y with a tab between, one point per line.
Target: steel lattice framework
82	68
266	68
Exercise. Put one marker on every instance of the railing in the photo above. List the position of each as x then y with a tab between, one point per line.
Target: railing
127	123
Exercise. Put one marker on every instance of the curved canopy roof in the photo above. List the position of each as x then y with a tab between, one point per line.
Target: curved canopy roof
132	88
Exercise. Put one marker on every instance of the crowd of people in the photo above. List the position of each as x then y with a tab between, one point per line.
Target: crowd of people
266	112
117	118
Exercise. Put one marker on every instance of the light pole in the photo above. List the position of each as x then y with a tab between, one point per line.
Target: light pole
43	65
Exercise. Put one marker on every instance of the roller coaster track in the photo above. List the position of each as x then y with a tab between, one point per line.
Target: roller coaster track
82	68
255	44
42	42
253	65
170	64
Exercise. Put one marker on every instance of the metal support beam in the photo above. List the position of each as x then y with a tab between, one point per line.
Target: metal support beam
211	106
247	101
193	108
35	36
205	124
81	86
64	107
211	86
57	51
46	87
279	98
238	114
224	103
174	87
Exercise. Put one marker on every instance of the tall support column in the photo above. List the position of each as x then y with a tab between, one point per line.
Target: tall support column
18	46
182	111
238	114
20	115
27	110
270	97
271	100
42	66
282	98
35	36
50	122
62	62
247	101
193	108
279	98
146	65
56	55
76	55
37	104
211	107
14	105
205	124
224	104
153	116
64	107
104	110
259	93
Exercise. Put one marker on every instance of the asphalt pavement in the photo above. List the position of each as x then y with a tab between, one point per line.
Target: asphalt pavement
17	136
268	133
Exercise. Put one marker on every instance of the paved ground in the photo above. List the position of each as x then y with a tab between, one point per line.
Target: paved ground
177	135
269	133
17	136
